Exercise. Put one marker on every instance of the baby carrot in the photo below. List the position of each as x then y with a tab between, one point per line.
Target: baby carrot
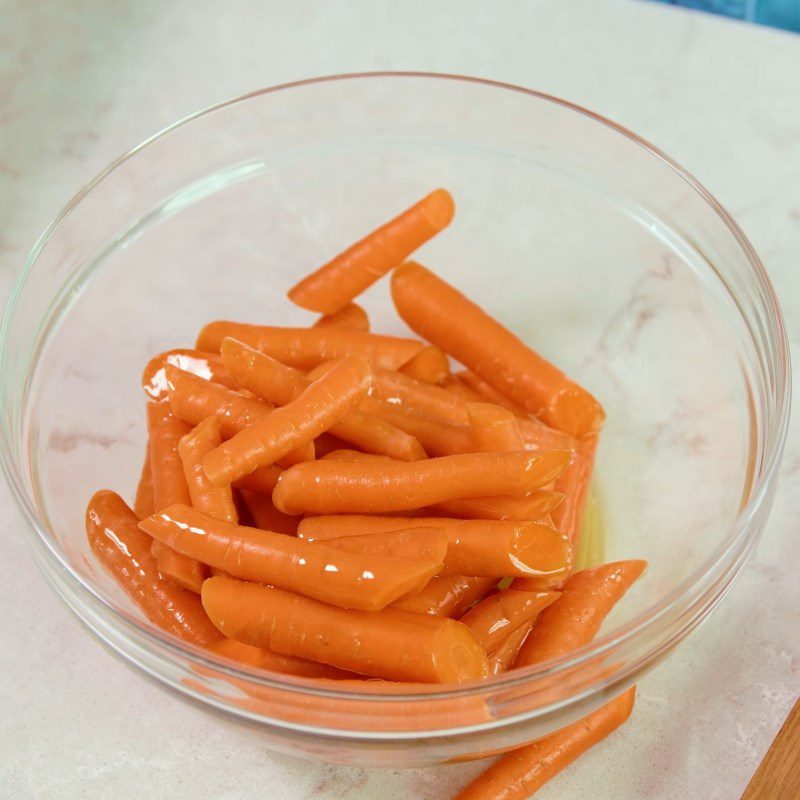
193	399
518	774
488	394
351	316
489	548
207	366
266	516
574	483
329	487
333	576
420	544
324	403
447	319
143	505
503	656
335	284
213	500
429	365
500	614
408	393
530	507
494	428
389	644
446	595
279	384
305	348
575	618
261	481
453	384
124	551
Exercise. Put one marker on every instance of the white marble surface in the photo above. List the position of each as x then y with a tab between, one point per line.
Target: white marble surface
82	80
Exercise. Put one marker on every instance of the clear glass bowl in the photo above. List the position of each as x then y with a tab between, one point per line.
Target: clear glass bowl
594	246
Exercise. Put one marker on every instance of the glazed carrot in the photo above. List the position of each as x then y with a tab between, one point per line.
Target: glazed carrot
488	394
327	443
503	656
453	384
305	348
519	774
446	595
324	403
500	614
429	365
193	399
388	644
266	516
261	658
420	544
213	500
329	487
279	384
574	483
207	366
335	284
143	505
530	507
124	551
575	618
447	319
538	436
351	316
494	428
261	481
489	548
406	393
332	576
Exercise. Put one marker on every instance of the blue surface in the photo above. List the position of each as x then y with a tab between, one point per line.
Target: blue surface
777	13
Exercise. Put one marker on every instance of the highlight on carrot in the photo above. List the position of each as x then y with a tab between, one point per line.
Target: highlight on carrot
352	317
207	366
503	656
338	282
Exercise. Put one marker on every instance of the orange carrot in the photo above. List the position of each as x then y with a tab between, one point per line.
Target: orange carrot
124	551
266	516
324	403
500	614
575	618
429	365
489	548
262	481
488	394
408	394
574	483
389	644
305	348
143	505
213	500
494	428
193	400
446	595
332	576
447	319
279	384
531	507
504	655
351	316
336	283
420	544
517	775
207	366
453	384
329	487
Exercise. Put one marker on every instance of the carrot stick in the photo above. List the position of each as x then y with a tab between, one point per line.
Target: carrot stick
351	316
447	319
574	483
500	614
388	644
420	544
488	394
262	481
279	384
324	403
453	384
193	399
329	487
494	428
409	394
143	505
335	284
266	516
504	655
305	348
124	551
488	548
446	595
207	366
517	775
319	571
531	507
575	618
429	365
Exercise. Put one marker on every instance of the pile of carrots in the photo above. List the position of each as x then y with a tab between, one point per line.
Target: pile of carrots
333	503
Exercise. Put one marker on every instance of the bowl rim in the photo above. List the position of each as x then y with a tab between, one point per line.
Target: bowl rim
694	593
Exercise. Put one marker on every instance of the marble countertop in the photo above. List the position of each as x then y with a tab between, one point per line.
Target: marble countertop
82	80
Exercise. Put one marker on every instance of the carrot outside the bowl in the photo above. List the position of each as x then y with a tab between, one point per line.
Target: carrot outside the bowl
352	317
447	319
334	285
391	644
124	551
324	403
332	576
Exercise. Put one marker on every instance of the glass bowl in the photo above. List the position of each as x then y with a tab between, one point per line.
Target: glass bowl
591	244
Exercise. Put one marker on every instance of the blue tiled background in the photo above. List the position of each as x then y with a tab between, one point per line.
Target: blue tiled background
778	13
